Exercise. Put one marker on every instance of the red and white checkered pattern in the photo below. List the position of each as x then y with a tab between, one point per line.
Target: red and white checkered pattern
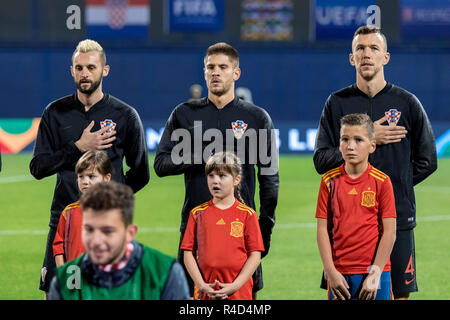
393	115
239	128
116	13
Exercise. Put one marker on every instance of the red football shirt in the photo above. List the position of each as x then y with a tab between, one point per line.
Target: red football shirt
68	235
354	209
221	240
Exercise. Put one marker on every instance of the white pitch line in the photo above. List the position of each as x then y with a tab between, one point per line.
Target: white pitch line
307	225
15	179
433	189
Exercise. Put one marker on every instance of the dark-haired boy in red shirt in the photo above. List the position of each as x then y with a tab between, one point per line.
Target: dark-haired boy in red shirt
356	218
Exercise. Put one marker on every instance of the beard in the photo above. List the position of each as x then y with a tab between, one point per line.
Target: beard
94	86
369	76
220	90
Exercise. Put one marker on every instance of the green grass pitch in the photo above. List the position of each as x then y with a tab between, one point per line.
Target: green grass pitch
292	270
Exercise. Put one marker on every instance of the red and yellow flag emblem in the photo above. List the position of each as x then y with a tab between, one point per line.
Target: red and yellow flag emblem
237	229
368	199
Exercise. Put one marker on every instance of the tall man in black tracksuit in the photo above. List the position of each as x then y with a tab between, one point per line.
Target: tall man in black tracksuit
87	120
406	149
222	122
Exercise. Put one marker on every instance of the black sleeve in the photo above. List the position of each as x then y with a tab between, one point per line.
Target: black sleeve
0	159
54	293
164	165
46	159
269	182
135	152
424	157
176	287
326	151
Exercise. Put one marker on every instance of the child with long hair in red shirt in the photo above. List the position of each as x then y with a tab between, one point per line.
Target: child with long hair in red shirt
222	243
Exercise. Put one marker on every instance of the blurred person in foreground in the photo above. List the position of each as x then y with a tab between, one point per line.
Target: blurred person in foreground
115	266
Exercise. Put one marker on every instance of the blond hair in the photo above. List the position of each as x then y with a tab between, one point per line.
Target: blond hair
89	46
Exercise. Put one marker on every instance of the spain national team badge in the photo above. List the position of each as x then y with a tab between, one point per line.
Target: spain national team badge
108	122
393	116
237	229
239	128
368	199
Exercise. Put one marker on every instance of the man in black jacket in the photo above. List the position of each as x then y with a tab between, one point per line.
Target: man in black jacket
84	121
406	149
222	122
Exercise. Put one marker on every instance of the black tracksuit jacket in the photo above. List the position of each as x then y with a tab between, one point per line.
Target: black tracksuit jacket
407	162
197	192
62	124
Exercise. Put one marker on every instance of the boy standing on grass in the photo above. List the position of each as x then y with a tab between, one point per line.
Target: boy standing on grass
356	218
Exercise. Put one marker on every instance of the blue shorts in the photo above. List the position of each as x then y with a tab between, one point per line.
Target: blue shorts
355	282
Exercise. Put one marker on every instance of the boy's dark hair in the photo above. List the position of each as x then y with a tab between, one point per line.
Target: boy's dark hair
96	159
359	119
226	49
110	195
369	30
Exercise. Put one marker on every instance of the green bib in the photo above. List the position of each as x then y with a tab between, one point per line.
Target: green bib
146	283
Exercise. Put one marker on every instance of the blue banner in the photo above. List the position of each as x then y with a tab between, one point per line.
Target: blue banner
194	15
338	20
425	19
298	137
293	137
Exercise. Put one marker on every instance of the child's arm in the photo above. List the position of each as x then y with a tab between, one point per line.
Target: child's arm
336	281
194	272
59	260
58	242
227	289
370	285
